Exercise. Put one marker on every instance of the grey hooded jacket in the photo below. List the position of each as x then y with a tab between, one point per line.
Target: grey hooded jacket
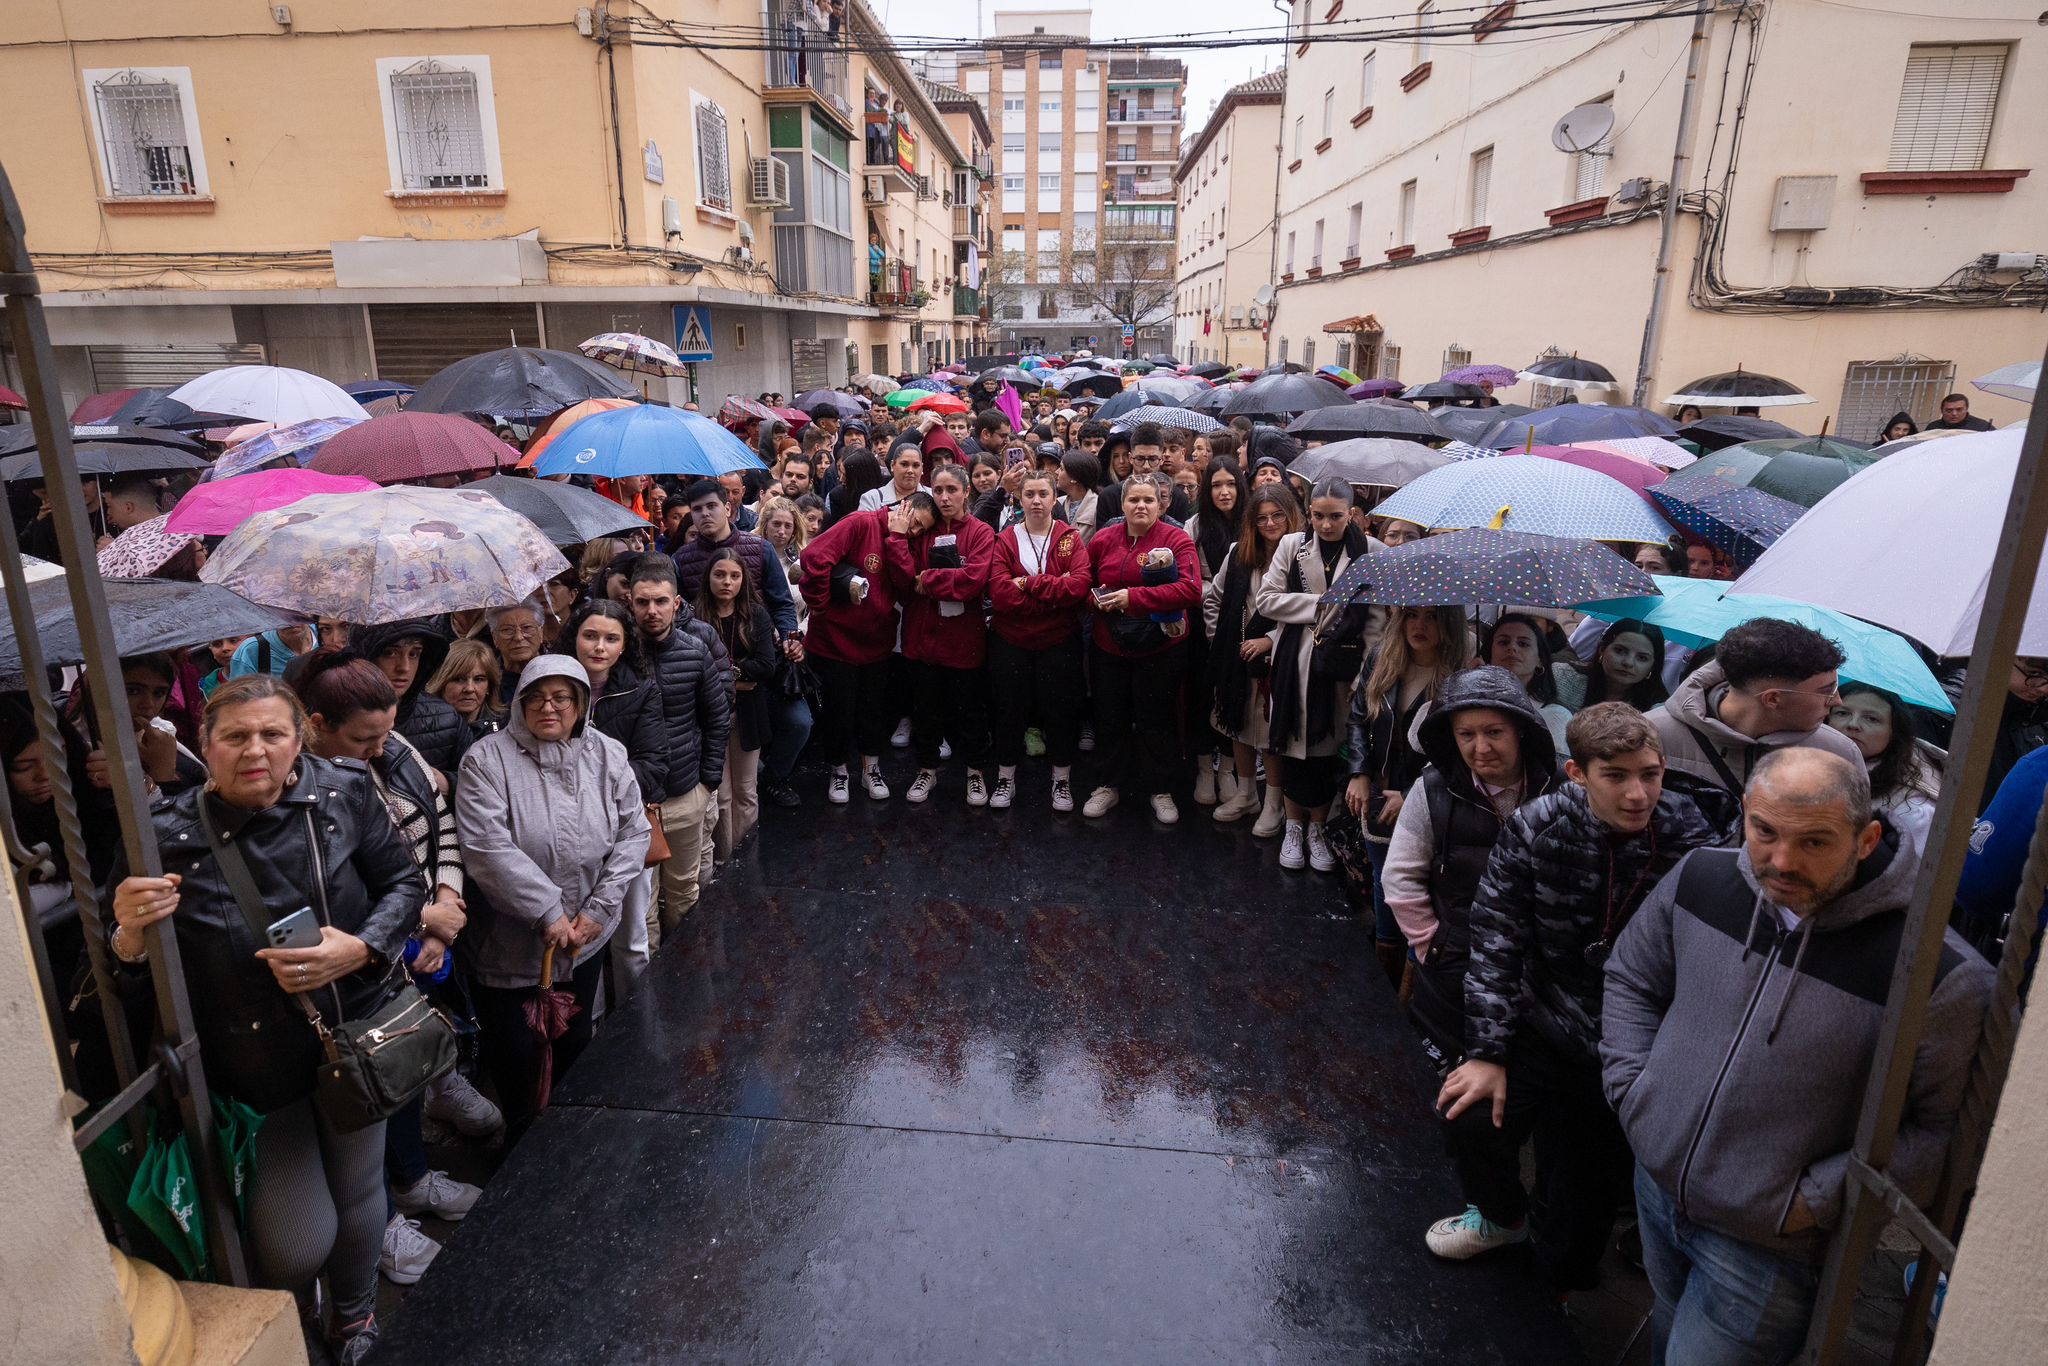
1737	1051
549	829
1694	711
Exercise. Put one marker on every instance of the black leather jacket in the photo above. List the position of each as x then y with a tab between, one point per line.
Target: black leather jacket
257	1044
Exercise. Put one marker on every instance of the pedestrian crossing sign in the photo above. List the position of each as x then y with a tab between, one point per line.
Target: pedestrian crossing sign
693	332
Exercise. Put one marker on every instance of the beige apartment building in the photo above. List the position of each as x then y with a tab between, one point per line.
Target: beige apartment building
376	189
1857	210
1086	147
1224	255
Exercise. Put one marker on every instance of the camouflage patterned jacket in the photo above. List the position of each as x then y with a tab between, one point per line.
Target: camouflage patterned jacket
1558	888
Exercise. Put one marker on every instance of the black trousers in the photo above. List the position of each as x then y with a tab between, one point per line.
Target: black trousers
949	704
512	1051
1137	719
1045	685
1583	1163
854	709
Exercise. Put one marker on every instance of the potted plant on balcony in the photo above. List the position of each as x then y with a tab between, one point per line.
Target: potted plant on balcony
921	297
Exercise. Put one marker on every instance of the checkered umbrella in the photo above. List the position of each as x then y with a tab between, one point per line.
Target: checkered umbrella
631	351
1183	418
1483	566
1522	493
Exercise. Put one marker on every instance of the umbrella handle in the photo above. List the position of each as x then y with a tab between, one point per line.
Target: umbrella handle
547	967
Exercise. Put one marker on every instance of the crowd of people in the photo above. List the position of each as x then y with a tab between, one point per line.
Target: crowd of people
1640	903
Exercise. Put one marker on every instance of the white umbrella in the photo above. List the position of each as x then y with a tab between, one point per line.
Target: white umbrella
2018	381
1909	543
268	393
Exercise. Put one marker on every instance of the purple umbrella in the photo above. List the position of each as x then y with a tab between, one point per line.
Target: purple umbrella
1374	388
1498	376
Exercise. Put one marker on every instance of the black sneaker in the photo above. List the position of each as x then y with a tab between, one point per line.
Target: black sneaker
780	794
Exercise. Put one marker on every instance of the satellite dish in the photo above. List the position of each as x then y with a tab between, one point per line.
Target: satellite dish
1583	129
1265	296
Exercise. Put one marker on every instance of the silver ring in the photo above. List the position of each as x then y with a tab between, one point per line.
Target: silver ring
302	972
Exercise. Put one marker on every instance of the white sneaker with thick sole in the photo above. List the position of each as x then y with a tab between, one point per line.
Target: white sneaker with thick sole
1293	851
1101	802
1163	809
840	790
977	790
1205	785
901	739
1005	792
454	1102
877	789
1466	1235
921	786
438	1194
1240	805
1062	795
407	1252
1319	856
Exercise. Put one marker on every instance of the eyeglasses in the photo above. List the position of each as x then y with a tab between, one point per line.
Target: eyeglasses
516	632
1828	694
548	702
2036	674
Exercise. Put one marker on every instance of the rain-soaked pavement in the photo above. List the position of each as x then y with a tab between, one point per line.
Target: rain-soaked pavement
930	1085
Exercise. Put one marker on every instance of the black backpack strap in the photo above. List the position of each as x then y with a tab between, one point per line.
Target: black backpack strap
262	654
1437	789
1728	779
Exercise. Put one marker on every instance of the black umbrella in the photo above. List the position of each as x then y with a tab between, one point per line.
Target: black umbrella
1166	393
156	408
1442	389
1087	382
565	514
1209	369
518	381
1712	433
846	405
1372	417
22	437
1210	401
1275	394
1012	374
147	614
1739	388
1481	566
1573	422
1469	424
1569	372
99	461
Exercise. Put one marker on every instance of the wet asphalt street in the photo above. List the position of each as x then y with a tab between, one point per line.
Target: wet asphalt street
931	1085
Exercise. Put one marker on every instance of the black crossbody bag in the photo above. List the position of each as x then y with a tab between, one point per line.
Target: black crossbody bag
373	1066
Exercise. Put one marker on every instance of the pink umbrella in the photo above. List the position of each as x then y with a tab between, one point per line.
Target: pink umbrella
219	506
1639	475
409	445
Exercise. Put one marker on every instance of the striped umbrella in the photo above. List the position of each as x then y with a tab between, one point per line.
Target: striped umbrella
631	351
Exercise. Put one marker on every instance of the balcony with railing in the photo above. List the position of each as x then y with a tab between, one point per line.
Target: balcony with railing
898	289
969	223
966	302
1141	190
1124	112
806	63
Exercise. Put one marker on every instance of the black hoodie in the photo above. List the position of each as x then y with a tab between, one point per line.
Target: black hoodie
435	729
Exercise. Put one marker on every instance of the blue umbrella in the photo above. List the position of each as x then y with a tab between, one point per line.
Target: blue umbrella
370	390
1570	423
1698	612
646	439
1526	493
1738	520
932	383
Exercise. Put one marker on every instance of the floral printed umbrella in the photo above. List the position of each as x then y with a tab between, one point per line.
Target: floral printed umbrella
631	351
385	556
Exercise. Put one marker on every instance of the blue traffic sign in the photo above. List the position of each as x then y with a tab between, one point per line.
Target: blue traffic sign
693	332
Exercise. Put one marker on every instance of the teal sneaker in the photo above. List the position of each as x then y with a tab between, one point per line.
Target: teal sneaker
1467	1235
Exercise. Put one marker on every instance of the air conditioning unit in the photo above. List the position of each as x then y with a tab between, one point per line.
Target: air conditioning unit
876	190
924	188
768	183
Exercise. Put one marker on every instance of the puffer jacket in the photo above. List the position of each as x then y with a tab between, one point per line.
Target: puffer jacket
1558	883
550	829
696	707
259	1046
436	730
628	708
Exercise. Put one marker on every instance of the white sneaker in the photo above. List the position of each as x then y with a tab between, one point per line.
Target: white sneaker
901	739
877	789
453	1101
1163	809
921	786
1467	1235
1319	856
439	1194
977	790
1205	784
1087	736
1062	795
840	791
1101	802
1272	816
1292	852
407	1252
1240	805
1005	792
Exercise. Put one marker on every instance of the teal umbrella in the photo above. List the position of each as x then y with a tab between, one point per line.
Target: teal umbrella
1802	471
1698	612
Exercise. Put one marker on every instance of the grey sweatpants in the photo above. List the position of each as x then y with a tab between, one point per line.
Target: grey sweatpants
318	1207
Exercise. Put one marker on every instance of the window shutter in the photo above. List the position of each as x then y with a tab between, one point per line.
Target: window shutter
1589	168
714	173
1482	187
1945	107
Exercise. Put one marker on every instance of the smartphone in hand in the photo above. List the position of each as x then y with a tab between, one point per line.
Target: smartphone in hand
299	930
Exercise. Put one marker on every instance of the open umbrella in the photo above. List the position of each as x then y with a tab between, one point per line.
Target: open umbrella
845	405
1740	521
1739	388
1659	451
795	417
942	403
147	615
1483	565
1184	418
1373	417
2017	381
901	399
102	461
1011	374
1075	381
1699	612
738	408
218	506
1446	389
1639	475
1374	388
1383	461
1275	395
1909	544
1570	423
932	384
1908	442
296	443
517	381
1517	493
1160	390
268	393
1210	401
145	408
386	555
1712	433
1158	358
141	550
548	1014
1499	376
1338	375
1472	424
646	439
368	391
21	438
631	351
564	420
10	399
1208	369
1802	471
414	445
1569	372
565	514
878	384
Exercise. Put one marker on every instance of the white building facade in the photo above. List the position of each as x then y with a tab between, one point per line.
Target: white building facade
1224	255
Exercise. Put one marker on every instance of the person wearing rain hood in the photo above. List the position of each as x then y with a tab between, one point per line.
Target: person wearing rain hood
408	653
1744	1008
1489	754
553	833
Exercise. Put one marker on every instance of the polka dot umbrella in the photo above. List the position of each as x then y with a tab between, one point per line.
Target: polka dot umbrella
1525	493
1486	566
